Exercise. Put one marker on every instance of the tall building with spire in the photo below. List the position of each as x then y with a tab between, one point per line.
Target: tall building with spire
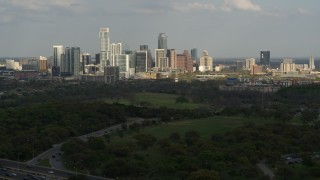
104	47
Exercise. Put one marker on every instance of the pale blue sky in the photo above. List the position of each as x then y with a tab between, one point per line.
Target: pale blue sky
226	28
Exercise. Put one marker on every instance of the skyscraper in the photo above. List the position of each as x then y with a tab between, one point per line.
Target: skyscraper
311	63
123	62
206	62
86	60
173	58
194	54
144	48
104	47
265	58
71	64
161	61
249	63
57	52
184	62
43	64
143	59
115	49
162	41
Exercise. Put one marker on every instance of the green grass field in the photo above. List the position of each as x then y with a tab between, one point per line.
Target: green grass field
205	127
157	100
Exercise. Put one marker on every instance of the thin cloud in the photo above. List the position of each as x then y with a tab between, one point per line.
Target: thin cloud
303	11
245	5
21	10
149	11
196	6
5	18
41	5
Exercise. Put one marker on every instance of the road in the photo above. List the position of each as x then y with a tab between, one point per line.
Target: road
24	170
54	154
265	169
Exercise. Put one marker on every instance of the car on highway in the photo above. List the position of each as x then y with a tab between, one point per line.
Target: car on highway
3	169
10	174
50	172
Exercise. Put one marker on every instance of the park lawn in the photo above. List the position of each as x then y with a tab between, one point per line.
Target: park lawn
205	127
164	100
156	100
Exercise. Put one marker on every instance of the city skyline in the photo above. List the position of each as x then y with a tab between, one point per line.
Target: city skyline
226	28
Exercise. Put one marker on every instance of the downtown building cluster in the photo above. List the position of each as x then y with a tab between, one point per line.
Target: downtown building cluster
112	63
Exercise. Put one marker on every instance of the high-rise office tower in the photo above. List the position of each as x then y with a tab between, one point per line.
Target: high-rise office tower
43	64
86	60
249	63
184	62
173	58
123	62
104	47
144	48
57	52
194	54
115	49
311	63
143	59
71	64
265	58
206	62
97	59
161	61
162	42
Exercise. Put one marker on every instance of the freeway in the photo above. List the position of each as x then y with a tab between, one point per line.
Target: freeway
19	170
56	149
54	154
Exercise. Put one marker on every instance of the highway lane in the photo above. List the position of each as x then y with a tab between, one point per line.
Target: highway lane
54	154
26	170
56	149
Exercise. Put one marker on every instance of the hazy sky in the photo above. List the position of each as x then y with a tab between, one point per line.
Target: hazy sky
226	28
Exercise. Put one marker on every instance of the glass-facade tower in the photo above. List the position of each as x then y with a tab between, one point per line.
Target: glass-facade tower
104	47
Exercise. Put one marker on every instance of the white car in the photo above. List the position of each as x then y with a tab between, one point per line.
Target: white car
50	172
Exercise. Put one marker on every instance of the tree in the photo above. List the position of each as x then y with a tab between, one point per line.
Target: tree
175	137
204	174
96	143
191	137
145	140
